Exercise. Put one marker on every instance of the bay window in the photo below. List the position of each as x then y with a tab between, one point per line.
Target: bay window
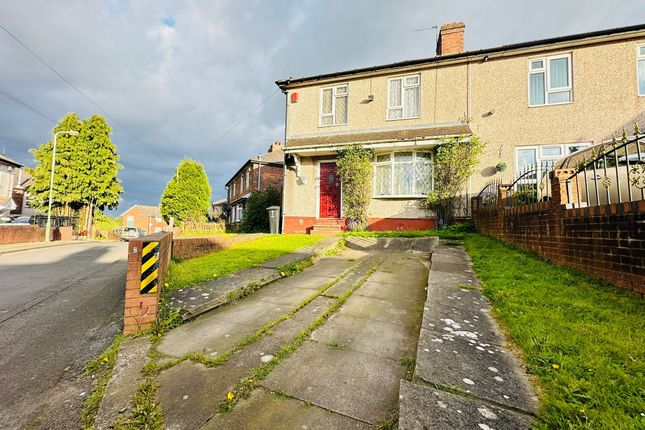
550	80
403	174
403	97
333	105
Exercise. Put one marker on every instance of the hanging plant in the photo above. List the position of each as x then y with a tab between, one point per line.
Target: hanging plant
501	166
355	171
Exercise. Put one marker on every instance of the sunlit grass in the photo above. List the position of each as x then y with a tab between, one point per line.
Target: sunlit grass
582	339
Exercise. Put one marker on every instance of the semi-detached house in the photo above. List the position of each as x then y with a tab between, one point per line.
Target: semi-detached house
532	102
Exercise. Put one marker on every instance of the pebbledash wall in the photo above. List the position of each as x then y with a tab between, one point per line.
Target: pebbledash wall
606	241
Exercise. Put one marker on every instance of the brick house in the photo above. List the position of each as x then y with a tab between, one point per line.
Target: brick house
258	173
147	218
533	102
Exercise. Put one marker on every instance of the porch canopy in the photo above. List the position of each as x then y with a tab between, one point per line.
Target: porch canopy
409	137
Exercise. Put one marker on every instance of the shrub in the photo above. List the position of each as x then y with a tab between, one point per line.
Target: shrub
187	195
256	216
355	170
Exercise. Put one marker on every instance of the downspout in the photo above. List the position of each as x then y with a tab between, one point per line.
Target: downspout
284	164
259	172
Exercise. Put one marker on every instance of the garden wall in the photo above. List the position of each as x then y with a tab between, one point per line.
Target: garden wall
190	247
31	233
605	241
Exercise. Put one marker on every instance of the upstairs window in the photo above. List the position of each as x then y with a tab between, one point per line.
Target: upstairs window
550	80
333	105
248	178
641	70
403	97
403	174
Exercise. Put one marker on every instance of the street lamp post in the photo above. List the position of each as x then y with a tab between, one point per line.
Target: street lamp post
51	183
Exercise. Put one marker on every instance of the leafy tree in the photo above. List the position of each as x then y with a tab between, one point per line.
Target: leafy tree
355	170
66	192
454	161
187	195
256	216
85	177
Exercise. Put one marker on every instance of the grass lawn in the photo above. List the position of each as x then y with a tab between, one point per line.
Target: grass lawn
244	255
583	340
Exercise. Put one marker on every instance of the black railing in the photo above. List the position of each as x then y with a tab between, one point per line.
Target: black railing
56	221
613	173
532	185
489	194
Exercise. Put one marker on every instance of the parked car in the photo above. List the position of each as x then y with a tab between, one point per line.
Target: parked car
5	219
23	220
130	233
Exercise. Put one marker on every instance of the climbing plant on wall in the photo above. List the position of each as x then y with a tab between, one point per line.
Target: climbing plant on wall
355	171
454	161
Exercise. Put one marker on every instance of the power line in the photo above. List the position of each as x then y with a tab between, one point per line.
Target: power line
50	67
238	122
26	105
16	140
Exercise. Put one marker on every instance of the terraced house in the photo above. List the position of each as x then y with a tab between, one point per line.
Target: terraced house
532	102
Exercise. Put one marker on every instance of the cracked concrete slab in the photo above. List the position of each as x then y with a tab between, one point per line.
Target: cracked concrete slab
426	408
126	378
400	312
267	411
401	292
373	337
355	384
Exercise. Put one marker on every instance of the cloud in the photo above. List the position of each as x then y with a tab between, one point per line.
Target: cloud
177	75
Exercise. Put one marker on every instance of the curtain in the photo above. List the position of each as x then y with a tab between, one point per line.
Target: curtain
536	89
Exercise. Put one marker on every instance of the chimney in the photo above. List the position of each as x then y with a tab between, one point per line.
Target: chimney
275	146
451	39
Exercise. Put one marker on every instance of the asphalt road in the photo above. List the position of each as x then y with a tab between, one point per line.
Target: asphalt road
59	308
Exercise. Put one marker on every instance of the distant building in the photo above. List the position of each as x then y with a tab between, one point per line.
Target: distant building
8	170
258	173
147	218
217	210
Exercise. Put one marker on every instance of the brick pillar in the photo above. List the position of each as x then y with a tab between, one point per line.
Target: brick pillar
140	309
561	193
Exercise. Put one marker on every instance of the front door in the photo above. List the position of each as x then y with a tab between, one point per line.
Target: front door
329	191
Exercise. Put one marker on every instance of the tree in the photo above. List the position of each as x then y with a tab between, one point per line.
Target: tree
85	177
187	195
454	161
355	170
256	216
66	192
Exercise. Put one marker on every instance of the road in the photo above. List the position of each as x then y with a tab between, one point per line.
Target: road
59	308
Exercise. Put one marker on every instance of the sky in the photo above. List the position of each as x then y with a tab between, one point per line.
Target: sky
196	79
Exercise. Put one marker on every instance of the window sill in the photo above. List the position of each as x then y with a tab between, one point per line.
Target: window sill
331	125
550	104
399	197
402	119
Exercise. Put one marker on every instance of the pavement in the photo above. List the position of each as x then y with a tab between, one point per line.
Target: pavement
376	334
20	247
59	308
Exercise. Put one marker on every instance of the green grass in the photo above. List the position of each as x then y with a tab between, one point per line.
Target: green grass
198	270
205	233
582	339
455	232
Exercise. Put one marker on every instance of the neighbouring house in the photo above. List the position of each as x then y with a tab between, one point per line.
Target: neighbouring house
22	182
533	102
147	218
217	211
257	174
9	171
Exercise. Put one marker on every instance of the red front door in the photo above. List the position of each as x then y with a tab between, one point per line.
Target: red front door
329	191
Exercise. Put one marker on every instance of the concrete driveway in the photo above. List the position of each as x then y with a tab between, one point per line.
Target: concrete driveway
59	307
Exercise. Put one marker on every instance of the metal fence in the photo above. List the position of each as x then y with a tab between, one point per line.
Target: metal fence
532	184
56	221
614	173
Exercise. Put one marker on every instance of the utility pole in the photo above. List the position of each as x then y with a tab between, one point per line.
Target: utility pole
51	183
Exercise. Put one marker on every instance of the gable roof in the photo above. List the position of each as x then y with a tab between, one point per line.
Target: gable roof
465	56
150	211
6	160
275	155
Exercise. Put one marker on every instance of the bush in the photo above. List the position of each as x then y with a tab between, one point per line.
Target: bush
187	195
256	216
355	170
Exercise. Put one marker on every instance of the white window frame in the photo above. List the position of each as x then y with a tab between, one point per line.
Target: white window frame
639	57
335	95
545	69
402	106
234	193
248	178
539	158
391	162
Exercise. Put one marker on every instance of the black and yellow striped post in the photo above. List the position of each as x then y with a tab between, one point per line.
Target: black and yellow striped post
149	267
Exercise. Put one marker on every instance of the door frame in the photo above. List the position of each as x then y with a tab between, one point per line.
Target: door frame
318	163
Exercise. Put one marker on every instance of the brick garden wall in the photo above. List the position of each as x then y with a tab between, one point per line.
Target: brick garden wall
31	233
190	247
605	241
140	311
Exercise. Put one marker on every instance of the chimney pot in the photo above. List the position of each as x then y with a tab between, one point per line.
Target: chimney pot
451	39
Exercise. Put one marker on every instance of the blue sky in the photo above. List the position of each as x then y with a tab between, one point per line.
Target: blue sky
178	75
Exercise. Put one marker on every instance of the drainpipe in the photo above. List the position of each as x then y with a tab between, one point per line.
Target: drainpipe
259	173
284	165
